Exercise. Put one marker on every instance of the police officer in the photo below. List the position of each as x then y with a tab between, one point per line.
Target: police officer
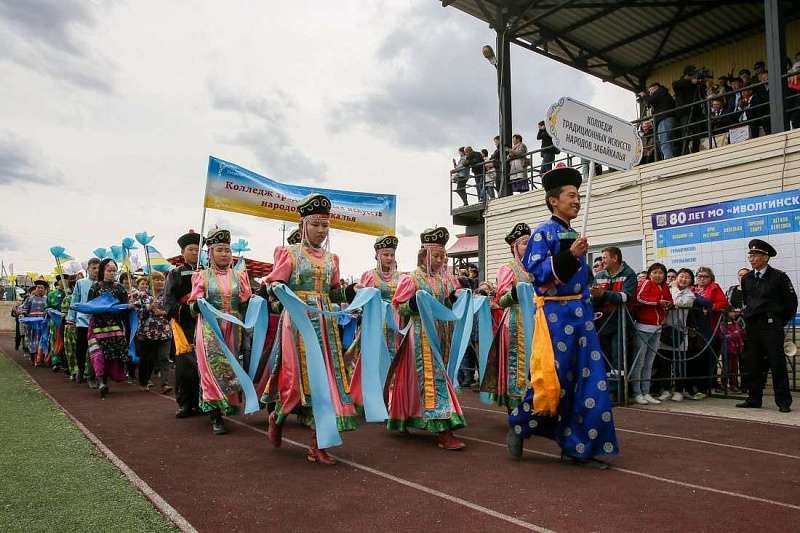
769	304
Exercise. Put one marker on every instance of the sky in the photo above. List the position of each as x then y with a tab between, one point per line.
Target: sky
111	108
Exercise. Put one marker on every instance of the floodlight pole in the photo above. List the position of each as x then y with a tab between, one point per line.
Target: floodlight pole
775	34
504	95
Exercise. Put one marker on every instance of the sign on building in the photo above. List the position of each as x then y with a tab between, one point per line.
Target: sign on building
716	235
582	130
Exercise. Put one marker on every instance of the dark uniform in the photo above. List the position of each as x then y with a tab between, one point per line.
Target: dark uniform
176	292
769	304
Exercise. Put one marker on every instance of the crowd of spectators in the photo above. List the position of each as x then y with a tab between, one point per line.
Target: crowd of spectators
484	168
702	112
684	334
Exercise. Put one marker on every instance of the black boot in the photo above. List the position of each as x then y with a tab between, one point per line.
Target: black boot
217	426
103	387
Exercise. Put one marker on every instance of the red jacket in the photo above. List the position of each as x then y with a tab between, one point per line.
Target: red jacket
649	296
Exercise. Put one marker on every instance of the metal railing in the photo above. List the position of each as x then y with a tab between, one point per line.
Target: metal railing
690	356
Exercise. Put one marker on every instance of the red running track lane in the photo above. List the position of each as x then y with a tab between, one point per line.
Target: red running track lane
396	482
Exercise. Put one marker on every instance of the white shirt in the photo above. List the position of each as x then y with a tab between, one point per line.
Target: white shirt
761	272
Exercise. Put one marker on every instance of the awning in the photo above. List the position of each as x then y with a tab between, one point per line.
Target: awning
465	246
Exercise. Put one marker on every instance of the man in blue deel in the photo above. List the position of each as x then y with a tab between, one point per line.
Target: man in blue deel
568	398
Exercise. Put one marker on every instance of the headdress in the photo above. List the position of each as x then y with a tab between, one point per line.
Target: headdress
42	282
757	246
314	204
188	238
294	237
434	236
218	236
561	176
520	230
387	241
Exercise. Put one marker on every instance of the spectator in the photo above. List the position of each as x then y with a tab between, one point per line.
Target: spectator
653	300
759	67
473	276
723	85
518	160
734	292
461	175
597	265
641	276
648	142
485	154
614	287
709	304
671	275
496	164
746	77
661	107
474	162
548	151
732	334
719	123
750	110
688	90
674	338
733	100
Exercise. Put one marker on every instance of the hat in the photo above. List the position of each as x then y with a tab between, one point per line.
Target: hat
757	246
520	230
387	241
294	237
744	71
438	236
218	236
42	282
561	176
314	204
188	238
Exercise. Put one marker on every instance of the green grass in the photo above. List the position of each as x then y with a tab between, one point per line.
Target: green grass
51	477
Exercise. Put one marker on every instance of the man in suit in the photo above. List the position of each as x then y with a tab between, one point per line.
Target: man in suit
769	304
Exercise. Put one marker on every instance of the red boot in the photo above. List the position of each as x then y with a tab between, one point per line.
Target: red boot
315	455
448	441
274	431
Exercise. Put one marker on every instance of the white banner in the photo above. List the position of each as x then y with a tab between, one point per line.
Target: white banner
579	129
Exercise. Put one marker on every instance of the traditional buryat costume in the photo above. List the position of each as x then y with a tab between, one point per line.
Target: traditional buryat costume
568	400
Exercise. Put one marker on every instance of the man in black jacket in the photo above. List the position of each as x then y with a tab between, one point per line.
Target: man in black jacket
475	163
769	304
688	90
548	150
661	105
176	293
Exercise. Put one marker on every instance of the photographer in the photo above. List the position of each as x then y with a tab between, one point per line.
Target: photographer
661	104
688	90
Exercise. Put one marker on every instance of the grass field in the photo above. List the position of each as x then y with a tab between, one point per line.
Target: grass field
51	477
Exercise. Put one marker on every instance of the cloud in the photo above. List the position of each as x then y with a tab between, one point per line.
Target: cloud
436	90
263	129
22	163
45	36
8	242
238	231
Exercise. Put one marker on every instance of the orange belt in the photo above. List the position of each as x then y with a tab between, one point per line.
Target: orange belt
544	378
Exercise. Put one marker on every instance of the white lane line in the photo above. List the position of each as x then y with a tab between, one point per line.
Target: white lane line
160	503
407	483
417	486
674	437
653	477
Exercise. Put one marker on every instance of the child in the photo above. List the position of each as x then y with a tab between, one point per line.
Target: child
653	300
732	334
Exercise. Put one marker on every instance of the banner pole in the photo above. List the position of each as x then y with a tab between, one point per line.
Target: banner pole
202	232
149	271
588	197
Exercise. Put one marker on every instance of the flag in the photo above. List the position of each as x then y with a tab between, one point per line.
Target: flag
157	261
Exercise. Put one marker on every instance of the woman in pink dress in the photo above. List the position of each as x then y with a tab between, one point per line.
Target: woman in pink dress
228	291
312	273
506	378
420	394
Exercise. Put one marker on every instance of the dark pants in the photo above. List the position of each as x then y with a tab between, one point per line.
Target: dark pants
81	351
150	352
461	188
547	161
187	381
763	352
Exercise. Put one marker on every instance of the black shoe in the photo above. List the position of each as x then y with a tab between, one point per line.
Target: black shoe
784	409
217	426
103	389
514	443
588	463
749	404
183	413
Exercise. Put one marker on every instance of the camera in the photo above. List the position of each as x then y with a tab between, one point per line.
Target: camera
704	73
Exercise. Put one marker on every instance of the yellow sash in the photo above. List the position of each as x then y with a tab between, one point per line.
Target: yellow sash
182	345
544	378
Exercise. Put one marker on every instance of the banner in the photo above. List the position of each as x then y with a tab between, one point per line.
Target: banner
233	188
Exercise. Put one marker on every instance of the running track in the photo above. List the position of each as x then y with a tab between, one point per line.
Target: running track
677	473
